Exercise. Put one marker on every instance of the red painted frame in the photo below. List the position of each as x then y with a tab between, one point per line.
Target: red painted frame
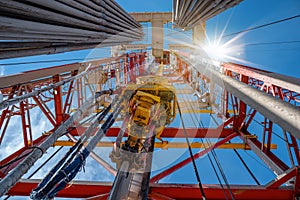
133	65
161	191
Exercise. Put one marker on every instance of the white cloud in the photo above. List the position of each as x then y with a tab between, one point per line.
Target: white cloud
2	70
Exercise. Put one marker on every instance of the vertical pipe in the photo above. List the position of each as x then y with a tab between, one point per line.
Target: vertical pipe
65	25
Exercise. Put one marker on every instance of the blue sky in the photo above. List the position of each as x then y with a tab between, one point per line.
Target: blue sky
283	58
280	58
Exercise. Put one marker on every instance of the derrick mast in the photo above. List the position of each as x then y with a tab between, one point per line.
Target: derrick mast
160	124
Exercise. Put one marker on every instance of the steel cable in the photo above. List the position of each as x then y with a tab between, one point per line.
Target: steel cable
73	165
205	147
261	26
191	155
215	158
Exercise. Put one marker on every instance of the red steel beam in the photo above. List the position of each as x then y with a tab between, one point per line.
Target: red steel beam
24	125
28	76
155	196
282	179
284	87
239	121
68	100
214	192
58	101
81	189
294	144
249	120
38	74
142	63
172	132
5	113
297	184
188	160
270	78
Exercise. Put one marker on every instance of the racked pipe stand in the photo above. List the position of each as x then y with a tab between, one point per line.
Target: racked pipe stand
36	27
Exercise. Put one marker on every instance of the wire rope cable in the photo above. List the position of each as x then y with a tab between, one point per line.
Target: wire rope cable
191	155
215	158
261	26
246	166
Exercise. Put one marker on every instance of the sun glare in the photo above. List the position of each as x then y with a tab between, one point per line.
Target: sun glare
232	50
216	51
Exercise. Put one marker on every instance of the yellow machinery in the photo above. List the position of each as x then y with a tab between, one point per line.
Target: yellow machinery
150	105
